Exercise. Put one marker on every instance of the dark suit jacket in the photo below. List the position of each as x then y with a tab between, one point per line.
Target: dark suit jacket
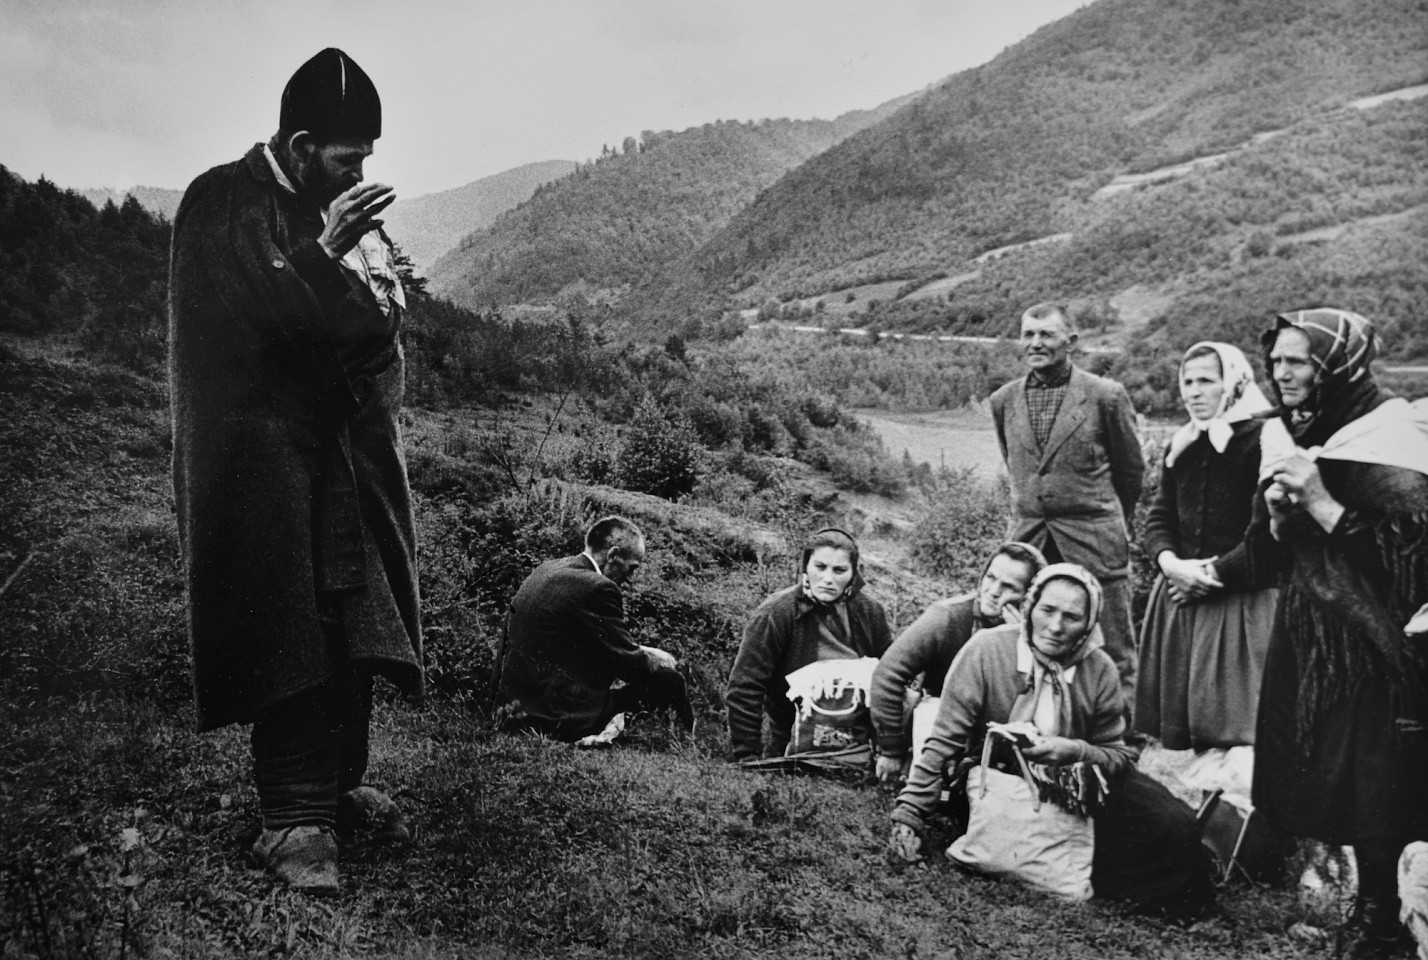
566	642
1081	489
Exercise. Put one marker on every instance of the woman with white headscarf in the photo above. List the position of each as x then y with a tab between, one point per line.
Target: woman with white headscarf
1049	672
1207	624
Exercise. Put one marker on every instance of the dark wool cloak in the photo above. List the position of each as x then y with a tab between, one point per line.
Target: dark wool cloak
1341	746
294	512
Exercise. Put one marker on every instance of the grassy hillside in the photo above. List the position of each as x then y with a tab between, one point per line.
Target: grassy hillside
996	154
126	833
1153	162
429	225
616	221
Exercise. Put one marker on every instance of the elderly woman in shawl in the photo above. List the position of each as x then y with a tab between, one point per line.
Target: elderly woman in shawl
1341	748
823	617
1206	626
1049	671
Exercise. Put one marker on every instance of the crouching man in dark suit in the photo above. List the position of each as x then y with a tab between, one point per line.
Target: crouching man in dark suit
567	643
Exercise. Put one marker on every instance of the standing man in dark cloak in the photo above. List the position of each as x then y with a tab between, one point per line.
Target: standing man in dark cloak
295	518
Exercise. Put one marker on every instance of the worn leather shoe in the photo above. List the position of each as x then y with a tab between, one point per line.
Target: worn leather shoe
303	857
367	810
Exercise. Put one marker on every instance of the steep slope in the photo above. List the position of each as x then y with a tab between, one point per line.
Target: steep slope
616	221
1014	150
429	225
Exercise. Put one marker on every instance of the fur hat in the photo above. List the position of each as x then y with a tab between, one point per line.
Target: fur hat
330	97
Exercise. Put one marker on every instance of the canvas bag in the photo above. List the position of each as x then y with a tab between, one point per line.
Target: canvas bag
1011	833
832	713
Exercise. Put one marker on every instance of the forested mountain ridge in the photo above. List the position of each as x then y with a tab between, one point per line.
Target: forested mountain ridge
427	226
616	221
160	201
1018	149
995	155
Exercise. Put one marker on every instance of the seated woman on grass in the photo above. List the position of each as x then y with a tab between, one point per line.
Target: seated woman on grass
823	617
1049	672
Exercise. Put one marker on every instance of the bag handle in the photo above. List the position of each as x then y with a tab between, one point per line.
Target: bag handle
1021	763
813	708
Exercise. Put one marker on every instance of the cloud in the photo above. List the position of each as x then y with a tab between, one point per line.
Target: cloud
469	87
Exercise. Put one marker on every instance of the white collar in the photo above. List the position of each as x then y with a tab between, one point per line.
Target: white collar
278	174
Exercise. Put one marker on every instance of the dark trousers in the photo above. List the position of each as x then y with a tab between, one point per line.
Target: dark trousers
1148	850
663	689
311	747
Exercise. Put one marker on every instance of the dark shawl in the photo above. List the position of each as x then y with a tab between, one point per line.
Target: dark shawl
290	482
1342	736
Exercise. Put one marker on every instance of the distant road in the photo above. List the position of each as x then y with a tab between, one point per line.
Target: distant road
940	338
885	335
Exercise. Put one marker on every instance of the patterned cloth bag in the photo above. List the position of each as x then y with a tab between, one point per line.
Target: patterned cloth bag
831	697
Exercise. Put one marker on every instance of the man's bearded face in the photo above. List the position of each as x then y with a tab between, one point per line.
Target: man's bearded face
324	170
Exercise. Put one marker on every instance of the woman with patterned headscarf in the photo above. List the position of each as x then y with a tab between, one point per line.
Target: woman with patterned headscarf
1341	749
824	616
1049	673
1207	624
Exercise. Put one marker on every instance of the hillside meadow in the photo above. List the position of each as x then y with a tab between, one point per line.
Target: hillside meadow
126	833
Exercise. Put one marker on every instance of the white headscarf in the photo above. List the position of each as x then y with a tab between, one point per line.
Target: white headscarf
1241	400
1045	699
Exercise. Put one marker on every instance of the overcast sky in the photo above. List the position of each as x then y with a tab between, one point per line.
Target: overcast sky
115	93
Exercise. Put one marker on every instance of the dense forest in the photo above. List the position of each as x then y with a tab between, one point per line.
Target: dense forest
616	221
67	268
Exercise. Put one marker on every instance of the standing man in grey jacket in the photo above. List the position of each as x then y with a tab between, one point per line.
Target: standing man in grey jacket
1074	461
295	519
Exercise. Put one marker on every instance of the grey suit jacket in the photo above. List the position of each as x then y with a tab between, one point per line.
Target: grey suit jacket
1080	489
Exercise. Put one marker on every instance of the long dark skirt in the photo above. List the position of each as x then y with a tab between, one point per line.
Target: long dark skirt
1148	850
1200	668
1362	779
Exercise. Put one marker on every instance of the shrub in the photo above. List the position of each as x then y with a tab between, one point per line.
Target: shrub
660	455
963	522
